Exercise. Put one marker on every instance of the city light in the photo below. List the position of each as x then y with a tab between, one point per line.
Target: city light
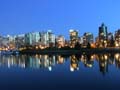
106	57
116	44
71	69
50	68
45	40
117	56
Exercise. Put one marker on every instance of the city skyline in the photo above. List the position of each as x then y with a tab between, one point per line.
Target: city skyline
59	44
19	17
68	32
45	40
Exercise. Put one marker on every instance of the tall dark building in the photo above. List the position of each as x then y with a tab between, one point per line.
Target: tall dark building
88	38
117	38
103	35
110	40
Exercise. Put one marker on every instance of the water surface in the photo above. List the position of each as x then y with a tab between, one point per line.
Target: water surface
97	71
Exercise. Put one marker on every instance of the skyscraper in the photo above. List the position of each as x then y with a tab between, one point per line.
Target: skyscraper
117	38
73	38
110	40
28	39
103	35
60	41
19	41
47	39
88	38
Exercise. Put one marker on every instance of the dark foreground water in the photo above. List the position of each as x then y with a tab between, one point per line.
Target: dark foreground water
54	72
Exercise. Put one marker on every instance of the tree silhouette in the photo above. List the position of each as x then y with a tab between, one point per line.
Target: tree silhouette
88	45
77	45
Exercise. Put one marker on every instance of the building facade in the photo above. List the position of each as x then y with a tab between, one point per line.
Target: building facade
103	35
73	37
117	38
88	38
47	39
60	41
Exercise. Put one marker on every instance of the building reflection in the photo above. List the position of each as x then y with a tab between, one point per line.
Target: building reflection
74	63
25	61
88	60
117	60
40	61
60	59
50	62
103	63
111	59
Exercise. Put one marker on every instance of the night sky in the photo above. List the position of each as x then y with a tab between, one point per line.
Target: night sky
22	16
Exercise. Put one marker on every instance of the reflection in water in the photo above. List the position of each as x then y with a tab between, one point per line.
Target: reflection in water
60	59
103	63
88	60
49	61
74	63
117	60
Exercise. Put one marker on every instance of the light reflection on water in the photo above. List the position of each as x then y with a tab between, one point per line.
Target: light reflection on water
96	71
49	61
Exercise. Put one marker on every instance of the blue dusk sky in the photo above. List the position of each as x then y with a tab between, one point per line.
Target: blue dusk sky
22	16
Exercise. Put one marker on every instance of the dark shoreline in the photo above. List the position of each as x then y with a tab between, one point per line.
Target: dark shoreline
73	51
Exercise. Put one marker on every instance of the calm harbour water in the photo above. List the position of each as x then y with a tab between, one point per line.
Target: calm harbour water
97	71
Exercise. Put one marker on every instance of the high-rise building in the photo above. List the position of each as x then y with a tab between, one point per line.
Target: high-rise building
19	41
47	39
35	38
51	38
32	38
110	41
73	38
97	41
28	39
80	40
117	38
4	43
87	38
60	41
103	35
